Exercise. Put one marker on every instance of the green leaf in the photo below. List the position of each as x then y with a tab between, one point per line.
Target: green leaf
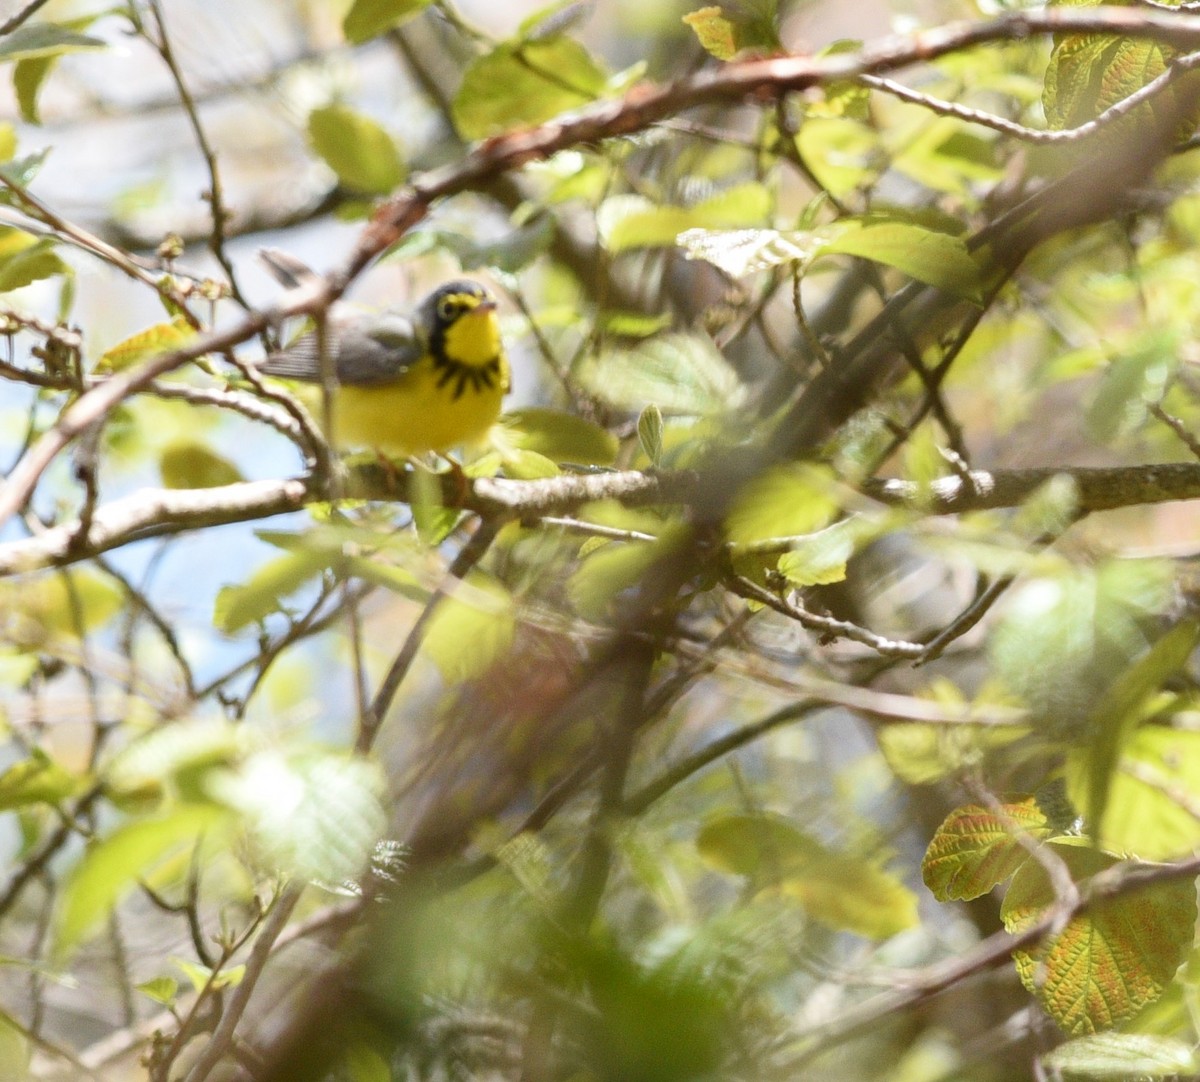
1123	1056
471	628
144	345
521	83
561	436
264	592
1120	710
1131	384
36	780
45	39
312	815
368	18
839	890
614	567
650	433
1111	960
820	558
680	373
1153	797
937	259
785	501
181	756
112	867
28	76
633	221
844	155
61	604
25	259
201	976
920	753
1063	635
358	150
160	989
188	463
715	33
975	849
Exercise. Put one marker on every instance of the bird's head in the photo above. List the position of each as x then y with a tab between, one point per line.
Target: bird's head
461	317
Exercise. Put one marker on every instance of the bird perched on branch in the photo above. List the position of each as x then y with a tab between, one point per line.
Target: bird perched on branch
406	383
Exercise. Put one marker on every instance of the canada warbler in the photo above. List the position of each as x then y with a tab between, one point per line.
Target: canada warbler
410	383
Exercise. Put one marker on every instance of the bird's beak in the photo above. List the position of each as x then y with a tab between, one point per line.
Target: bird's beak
484	306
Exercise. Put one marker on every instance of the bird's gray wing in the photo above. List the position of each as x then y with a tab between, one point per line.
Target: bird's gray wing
367	349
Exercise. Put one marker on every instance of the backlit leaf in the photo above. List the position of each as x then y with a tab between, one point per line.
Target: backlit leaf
192	464
525	82
264	592
363	155
633	221
142	346
839	890
470	629
1111	960
715	33
368	18
975	849
36	780
783	502
112	867
560	436
1123	1056
680	373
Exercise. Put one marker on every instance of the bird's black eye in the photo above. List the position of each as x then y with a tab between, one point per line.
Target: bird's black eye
448	308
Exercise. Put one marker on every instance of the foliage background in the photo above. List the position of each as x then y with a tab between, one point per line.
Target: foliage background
803	683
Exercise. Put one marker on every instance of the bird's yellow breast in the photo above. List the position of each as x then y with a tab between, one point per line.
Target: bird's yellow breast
414	414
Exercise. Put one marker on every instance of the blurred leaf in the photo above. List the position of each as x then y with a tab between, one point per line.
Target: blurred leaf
680	373
650	433
30	73
634	324
264	592
616	566
312	815
561	436
36	780
838	890
1123	1056
1111	960
1120	711
470	629
368	18
785	501
8	141
434	521
1063	635
633	221
1153	797
20	171
938	259
1131	383
201	977
920	753
843	154
523	465
186	463
179	756
25	259
714	31
152	342
160	989
112	866
975	849
45	39
820	558
358	150
60	604
520	83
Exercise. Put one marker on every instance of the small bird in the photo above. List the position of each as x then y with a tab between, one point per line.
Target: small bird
408	384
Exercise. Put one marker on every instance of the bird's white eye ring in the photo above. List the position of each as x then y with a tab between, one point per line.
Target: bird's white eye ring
447	308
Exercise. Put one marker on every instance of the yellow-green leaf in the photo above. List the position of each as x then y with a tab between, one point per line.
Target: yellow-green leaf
1111	960
633	221
561	436
785	501
1120	1057
363	155
45	39
471	628
152	342
113	866
715	33
36	780
839	890
524	82
975	849
263	593
368	18
188	463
